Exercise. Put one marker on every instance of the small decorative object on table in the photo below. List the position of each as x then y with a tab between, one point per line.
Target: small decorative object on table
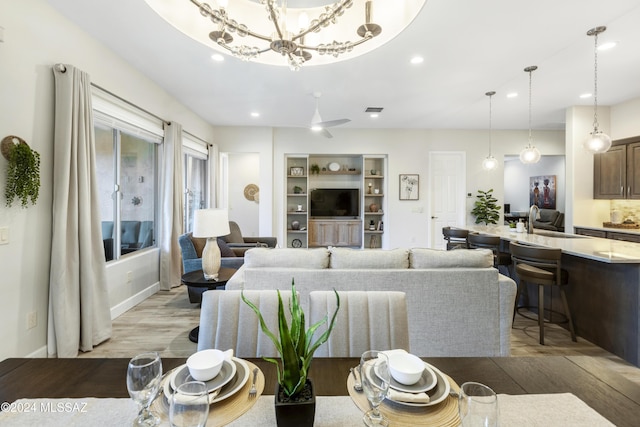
294	398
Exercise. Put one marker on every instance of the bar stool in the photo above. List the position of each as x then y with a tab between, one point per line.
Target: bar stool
456	238
541	266
484	241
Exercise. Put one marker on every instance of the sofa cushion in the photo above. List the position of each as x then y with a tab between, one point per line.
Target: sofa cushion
436	258
548	215
369	259
287	257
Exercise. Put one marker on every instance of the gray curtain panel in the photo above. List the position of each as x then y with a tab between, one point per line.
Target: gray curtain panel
79	313
172	202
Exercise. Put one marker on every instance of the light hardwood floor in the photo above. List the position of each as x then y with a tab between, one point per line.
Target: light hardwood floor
162	323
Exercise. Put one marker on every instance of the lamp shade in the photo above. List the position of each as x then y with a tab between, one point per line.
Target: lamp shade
597	142
211	223
530	154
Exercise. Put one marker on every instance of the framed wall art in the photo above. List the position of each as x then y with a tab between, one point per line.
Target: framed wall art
409	186
542	191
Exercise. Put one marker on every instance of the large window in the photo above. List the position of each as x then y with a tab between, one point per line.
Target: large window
127	164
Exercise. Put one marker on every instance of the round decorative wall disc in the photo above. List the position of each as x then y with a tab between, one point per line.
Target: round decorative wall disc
250	191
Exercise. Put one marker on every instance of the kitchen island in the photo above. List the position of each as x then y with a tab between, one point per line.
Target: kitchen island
603	290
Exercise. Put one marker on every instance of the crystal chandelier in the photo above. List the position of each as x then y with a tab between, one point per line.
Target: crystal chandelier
290	32
597	141
490	162
530	154
287	43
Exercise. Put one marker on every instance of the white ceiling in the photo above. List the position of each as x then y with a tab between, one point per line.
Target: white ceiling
469	46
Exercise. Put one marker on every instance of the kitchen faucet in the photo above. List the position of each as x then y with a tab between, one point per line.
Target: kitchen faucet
534	210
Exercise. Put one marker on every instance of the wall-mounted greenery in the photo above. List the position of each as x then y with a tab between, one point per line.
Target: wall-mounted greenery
23	171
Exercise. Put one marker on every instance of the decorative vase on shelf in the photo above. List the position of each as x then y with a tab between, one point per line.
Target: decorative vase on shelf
295	225
373	207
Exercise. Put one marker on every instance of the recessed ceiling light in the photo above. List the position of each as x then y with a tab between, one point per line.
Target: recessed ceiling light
217	57
417	60
374	115
607	45
512	95
255	114
585	95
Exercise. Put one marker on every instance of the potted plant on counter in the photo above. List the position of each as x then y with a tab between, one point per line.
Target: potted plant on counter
294	398
485	208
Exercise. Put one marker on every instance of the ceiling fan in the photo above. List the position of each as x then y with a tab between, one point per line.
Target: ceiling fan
317	125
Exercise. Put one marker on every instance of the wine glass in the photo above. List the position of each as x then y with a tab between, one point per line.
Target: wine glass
143	382
189	405
477	405
375	378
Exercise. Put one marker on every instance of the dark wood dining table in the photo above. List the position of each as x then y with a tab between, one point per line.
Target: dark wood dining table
610	394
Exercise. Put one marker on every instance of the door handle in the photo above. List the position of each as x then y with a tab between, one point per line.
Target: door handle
434	217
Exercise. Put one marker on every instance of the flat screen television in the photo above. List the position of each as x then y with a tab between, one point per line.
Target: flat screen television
335	203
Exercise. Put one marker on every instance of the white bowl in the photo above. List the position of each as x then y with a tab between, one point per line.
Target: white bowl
206	364
406	368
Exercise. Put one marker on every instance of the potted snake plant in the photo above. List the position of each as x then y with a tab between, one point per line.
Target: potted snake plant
294	397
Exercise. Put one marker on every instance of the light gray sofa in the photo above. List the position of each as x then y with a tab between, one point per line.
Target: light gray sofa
457	303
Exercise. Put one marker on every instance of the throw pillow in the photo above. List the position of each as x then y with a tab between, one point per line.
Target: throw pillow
436	258
225	250
369	259
286	257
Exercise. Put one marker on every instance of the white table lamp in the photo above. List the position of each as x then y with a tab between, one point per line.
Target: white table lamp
211	223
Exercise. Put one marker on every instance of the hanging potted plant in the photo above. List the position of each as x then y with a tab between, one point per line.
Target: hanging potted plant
23	171
485	208
295	403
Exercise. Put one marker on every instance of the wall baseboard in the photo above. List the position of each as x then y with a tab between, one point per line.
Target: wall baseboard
39	353
132	301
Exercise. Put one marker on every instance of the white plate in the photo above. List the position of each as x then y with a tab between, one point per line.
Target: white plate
334	167
239	380
227	372
436	395
236	383
426	382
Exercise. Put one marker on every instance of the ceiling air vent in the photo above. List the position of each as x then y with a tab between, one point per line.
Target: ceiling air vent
373	110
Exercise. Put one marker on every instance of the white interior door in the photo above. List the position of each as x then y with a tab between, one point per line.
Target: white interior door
447	180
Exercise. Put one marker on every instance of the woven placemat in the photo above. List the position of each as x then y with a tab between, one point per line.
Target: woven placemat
225	411
444	414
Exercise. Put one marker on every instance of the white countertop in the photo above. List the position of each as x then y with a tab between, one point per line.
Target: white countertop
597	249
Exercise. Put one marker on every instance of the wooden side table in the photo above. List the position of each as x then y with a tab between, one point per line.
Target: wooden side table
196	279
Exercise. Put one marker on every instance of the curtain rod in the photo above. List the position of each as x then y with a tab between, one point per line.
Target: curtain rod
63	69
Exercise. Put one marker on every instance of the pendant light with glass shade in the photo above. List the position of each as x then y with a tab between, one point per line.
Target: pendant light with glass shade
490	162
597	141
530	154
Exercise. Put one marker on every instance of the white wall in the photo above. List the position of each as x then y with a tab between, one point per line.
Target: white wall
407	222
517	181
35	38
245	212
625	119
